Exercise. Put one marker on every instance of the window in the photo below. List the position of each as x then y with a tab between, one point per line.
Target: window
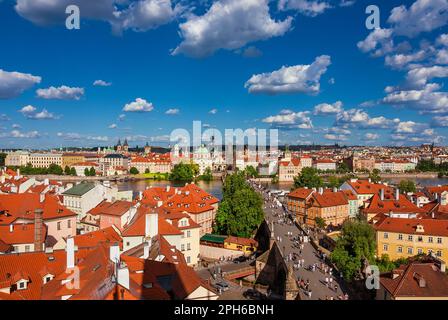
410	237
400	237
188	246
69	224
439	253
59	225
430	240
410	251
400	249
420	239
182	247
22	285
188	260
27	248
188	234
419	251
439	240
385	247
386	235
128	244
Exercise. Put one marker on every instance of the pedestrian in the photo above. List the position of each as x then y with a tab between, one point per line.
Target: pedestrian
326	281
335	287
331	280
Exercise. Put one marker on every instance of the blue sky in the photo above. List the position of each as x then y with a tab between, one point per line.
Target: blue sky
309	68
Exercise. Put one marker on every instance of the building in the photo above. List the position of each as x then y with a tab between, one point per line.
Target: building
394	165
288	169
16	209
246	245
364	189
22	237
309	204
80	168
407	237
82	197
44	160
417	280
69	159
17	159
113	162
356	163
106	214
324	165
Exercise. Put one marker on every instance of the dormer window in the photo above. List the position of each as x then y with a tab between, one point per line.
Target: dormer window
420	228
22	284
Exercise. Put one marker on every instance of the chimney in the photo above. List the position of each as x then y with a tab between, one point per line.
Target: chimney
18	173
114	253
38	237
2	179
123	275
159	203
370	180
41	197
146	249
70	253
382	194
46	182
321	190
151	225
167	188
11	228
397	194
335	189
140	195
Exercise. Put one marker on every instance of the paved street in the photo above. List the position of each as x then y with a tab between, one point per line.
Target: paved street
319	290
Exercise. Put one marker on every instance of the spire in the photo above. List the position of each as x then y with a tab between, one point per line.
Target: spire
119	142
125	142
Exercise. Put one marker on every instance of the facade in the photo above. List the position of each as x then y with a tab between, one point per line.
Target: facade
80	167
356	163
44	160
404	238
307	205
324	164
17	159
288	169
69	159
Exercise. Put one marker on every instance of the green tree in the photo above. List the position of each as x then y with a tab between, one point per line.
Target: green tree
320	222
87	172
308	178
356	243
375	176
183	172
73	172
251	172
67	170
274	179
333	182
406	186
241	210
133	170
342	168
2	158
147	170
207	175
55	169
92	172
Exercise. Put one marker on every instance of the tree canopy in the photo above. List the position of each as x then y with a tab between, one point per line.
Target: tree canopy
309	177
184	172
241	210
356	243
406	186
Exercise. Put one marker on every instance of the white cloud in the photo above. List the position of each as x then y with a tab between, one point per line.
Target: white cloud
229	24
13	84
101	83
295	79
399	61
442	39
335	137
289	119
30	112
379	41
139	15
327	108
74	136
61	93
358	118
139	105
22	135
371	136
440	121
252	52
406	127
310	8
213	111
16	126
121	117
421	16
172	111
112	126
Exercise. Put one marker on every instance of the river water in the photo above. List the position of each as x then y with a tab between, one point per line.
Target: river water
215	187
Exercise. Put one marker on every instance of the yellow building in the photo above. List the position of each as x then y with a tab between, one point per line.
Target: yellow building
246	245
404	238
69	159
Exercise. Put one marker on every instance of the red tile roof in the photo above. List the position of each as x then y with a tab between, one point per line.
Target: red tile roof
366	187
409	226
92	239
21	233
117	208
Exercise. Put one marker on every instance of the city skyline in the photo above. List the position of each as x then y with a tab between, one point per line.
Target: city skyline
308	68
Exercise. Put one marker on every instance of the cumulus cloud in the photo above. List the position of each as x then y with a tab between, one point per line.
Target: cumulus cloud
229	24
30	112
439	121
112	126
295	79
335	137
61	93
251	52
379	41
139	105
101	83
310	8
13	84
213	111
399	61
327	108
21	135
172	111
74	136
371	136
358	118
122	15
421	16
289	119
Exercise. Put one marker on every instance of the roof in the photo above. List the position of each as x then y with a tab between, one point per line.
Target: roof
23	205
300	193
213	238
241	241
366	187
21	233
409	226
116	208
79	189
92	239
391	204
328	198
408	278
